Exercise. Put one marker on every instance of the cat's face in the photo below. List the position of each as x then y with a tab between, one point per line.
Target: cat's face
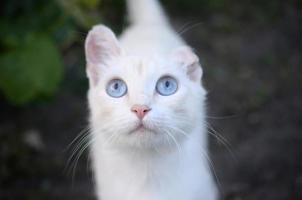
143	102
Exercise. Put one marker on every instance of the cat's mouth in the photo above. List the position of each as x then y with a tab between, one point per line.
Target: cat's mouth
141	128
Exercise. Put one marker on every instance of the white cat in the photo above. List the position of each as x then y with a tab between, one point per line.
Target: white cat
147	112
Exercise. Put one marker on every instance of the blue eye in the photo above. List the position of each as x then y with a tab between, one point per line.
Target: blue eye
166	86
116	88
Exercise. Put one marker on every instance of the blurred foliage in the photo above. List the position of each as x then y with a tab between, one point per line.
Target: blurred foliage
33	69
33	33
83	11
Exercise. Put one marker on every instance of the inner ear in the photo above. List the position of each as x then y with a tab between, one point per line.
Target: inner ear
186	58
100	46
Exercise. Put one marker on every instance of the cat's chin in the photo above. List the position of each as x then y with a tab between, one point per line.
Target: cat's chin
139	137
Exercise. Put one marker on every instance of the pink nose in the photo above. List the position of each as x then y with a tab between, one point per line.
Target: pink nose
140	110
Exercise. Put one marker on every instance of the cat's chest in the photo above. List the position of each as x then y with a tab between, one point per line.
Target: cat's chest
133	180
134	187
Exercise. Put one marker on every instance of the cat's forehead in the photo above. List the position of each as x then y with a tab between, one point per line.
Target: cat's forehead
142	68
143	64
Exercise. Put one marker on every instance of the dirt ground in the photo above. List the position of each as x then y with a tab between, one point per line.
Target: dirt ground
252	74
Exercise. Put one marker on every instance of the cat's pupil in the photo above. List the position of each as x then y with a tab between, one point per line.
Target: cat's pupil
167	84
115	86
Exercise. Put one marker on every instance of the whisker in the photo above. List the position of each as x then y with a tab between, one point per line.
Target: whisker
184	26
82	132
189	28
212	168
210	130
174	140
222	140
78	145
222	117
78	157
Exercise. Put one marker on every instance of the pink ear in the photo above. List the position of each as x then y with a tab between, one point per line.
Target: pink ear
185	57
100	45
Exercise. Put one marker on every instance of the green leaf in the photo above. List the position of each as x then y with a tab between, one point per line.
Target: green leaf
32	70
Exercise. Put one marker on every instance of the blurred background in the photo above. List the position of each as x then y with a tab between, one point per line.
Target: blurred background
251	52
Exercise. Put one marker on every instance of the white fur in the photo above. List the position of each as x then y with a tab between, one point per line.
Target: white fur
168	161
